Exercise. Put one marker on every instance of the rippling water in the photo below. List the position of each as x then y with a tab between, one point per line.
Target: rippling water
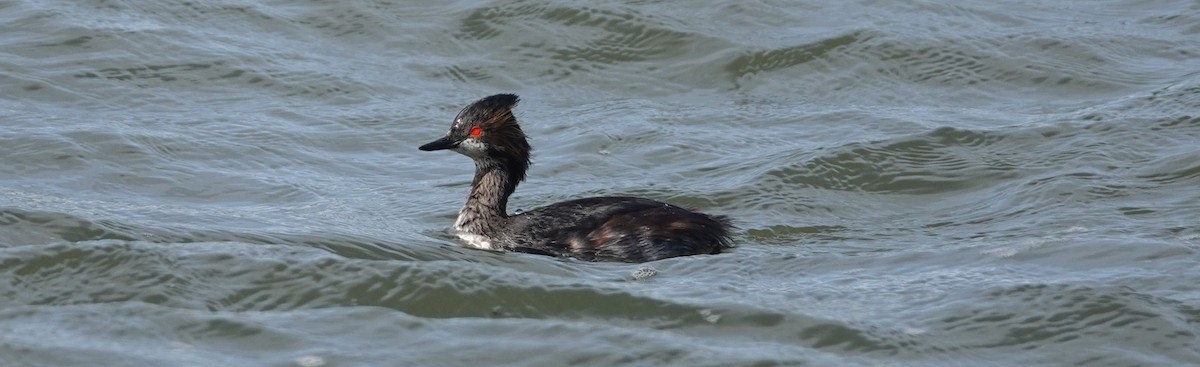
915	183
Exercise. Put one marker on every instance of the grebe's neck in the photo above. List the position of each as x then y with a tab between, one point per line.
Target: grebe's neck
487	205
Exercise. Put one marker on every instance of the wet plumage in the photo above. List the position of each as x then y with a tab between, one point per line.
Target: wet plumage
616	228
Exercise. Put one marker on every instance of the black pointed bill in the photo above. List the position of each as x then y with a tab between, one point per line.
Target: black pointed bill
443	143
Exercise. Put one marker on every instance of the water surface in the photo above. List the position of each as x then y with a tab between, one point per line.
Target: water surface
237	182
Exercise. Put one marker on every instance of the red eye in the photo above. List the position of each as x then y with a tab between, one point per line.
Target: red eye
476	131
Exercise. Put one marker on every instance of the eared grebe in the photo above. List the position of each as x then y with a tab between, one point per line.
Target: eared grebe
620	228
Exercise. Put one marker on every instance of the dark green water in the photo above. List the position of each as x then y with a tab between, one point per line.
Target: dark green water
236	183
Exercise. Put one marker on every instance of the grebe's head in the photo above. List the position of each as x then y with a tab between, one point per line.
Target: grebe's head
487	132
